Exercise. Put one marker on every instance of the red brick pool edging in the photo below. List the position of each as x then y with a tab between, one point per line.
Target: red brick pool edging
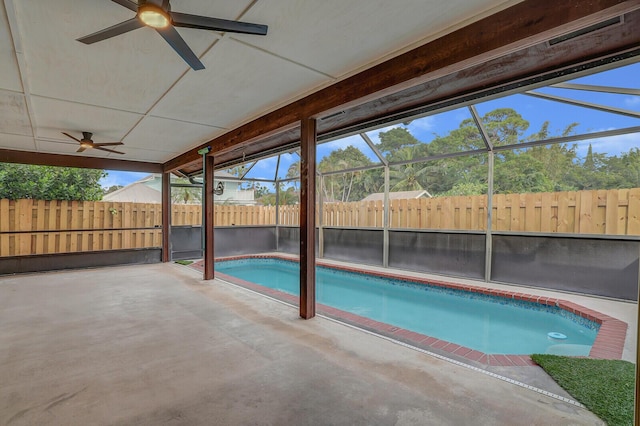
609	342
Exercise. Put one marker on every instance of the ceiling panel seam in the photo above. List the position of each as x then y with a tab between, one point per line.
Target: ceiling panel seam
11	91
53	98
15	134
187	122
284	58
16	38
149	112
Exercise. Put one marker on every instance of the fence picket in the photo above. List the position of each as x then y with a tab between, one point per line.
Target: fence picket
4	227
610	222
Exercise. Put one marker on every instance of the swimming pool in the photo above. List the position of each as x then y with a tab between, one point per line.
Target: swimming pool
489	324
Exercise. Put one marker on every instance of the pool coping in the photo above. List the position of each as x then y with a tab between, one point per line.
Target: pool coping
609	342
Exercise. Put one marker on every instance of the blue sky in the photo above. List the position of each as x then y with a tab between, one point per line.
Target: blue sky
115	177
536	111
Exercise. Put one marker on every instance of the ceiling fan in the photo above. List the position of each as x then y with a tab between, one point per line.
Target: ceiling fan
86	143
157	14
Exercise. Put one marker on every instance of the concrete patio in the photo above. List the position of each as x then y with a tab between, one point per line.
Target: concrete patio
153	344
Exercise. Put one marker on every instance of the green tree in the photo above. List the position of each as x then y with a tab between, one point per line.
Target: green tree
465	138
505	126
260	190
395	139
112	188
466	188
520	172
621	171
294	170
347	186
443	175
411	176
185	195
268	199
287	195
559	162
50	183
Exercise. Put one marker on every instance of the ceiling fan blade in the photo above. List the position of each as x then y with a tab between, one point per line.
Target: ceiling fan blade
74	138
206	23
128	4
108	150
115	30
81	149
108	144
171	36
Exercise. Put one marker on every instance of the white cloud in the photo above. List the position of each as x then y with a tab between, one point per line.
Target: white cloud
632	101
612	145
424	124
374	135
355	141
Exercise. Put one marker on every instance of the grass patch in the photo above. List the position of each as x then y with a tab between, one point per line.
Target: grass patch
604	386
184	262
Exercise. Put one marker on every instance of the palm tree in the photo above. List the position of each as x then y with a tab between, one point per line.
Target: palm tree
408	177
342	185
185	195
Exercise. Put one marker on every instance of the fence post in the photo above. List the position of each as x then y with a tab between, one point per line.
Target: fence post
488	248
385	219
277	209
320	221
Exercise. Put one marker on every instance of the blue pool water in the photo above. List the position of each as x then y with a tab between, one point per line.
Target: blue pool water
489	324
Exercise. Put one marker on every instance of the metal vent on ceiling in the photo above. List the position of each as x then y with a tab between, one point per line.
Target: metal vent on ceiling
586	30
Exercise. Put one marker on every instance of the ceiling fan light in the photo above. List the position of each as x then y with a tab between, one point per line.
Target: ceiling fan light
153	16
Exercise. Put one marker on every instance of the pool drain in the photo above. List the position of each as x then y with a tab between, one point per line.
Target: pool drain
556	335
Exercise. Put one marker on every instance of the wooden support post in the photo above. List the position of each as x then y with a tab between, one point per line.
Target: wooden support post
307	218
166	217
208	219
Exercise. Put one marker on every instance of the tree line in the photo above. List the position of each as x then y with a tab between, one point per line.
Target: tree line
543	168
50	183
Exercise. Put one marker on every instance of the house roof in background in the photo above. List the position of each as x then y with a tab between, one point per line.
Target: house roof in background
136	192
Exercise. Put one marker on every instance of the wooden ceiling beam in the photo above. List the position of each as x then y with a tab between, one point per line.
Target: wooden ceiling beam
43	159
518	27
535	66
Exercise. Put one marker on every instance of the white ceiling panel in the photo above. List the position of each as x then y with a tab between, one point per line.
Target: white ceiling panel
130	72
144	154
18	142
337	36
240	82
169	135
223	9
9	73
54	116
14	117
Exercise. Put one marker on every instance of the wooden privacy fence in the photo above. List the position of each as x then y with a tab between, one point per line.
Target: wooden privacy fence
613	212
38	227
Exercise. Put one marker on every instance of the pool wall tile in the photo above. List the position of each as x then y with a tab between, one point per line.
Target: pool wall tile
609	342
